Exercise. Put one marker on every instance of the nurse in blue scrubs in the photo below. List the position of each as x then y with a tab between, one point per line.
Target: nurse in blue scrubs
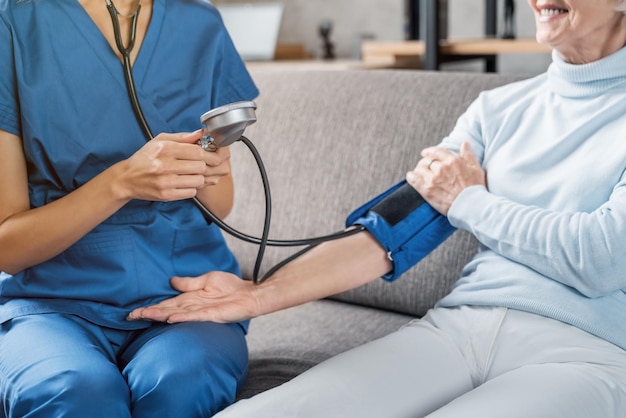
95	220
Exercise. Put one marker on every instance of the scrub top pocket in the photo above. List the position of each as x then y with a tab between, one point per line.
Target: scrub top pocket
100	267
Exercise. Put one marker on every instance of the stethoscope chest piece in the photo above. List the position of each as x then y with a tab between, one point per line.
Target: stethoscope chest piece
226	124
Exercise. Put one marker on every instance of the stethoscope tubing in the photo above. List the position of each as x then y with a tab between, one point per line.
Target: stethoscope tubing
264	240
128	69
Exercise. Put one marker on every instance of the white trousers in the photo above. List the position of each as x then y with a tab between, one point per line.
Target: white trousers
460	363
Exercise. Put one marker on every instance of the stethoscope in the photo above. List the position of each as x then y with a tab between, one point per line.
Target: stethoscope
232	118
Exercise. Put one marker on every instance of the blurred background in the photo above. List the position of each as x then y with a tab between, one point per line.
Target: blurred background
386	20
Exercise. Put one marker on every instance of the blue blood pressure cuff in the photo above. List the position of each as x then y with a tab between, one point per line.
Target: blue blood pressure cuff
404	224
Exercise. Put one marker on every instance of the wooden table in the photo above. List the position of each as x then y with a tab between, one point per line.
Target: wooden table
411	53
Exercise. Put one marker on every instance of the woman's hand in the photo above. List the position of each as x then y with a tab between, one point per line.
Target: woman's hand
440	175
215	296
172	167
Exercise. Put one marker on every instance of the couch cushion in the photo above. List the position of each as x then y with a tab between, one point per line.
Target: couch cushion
332	140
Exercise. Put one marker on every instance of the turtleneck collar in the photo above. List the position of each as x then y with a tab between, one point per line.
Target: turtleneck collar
585	80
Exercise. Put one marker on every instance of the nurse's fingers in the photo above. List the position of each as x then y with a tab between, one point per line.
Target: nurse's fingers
218	157
182	137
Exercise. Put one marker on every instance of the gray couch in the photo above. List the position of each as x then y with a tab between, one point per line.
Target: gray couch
332	140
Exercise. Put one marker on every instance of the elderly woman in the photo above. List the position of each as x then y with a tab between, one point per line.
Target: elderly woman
95	220
536	170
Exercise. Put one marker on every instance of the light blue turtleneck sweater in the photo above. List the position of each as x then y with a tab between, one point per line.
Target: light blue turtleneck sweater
552	221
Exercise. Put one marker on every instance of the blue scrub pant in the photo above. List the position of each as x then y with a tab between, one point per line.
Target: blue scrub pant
55	365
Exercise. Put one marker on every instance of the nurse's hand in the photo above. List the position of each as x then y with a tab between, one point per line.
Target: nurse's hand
441	175
171	167
215	296
217	166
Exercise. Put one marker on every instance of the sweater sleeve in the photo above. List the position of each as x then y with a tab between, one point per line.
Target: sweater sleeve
581	250
469	127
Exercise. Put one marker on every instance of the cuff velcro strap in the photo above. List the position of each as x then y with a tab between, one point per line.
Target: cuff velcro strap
404	224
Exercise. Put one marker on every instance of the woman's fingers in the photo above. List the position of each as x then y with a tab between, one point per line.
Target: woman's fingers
440	176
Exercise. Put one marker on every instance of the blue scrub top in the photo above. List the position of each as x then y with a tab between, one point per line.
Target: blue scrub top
62	90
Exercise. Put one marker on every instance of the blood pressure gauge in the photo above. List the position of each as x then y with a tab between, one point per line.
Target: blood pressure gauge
226	124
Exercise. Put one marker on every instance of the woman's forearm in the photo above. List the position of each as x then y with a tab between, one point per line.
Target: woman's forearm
328	269
30	237
170	167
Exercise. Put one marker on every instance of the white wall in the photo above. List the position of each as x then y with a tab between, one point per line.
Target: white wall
384	19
